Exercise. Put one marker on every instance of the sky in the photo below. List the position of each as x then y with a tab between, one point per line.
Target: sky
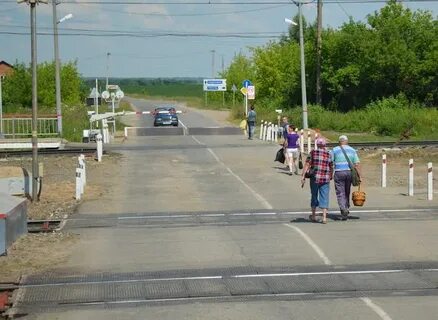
161	38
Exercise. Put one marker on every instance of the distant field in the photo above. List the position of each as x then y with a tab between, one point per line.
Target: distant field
170	90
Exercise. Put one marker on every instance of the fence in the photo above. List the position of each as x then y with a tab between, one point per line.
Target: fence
22	127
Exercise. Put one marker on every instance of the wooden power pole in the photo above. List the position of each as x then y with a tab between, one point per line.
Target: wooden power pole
318	51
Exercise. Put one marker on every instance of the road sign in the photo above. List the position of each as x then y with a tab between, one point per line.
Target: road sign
234	88
251	92
246	83
215	84
244	91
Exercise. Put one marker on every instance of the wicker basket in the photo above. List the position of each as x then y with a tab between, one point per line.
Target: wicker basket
358	197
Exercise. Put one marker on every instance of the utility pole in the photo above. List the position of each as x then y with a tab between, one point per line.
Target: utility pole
303	69
223	64
33	44
57	69
107	69
318	52
212	63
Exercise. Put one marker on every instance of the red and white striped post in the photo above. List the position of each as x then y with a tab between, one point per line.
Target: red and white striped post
302	141
411	178
383	170
429	181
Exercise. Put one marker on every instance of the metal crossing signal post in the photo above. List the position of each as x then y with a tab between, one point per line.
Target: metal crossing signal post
35	169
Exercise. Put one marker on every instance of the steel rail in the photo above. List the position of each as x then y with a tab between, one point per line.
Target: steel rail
12	153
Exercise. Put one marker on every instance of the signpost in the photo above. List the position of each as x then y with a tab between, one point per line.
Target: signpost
248	90
251	92
215	85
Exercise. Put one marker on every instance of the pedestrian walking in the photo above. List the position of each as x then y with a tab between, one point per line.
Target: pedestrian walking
251	119
292	145
344	158
319	169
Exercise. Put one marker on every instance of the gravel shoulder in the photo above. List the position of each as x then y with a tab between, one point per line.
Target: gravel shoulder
43	251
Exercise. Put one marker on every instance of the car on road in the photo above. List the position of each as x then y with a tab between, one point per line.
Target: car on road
165	116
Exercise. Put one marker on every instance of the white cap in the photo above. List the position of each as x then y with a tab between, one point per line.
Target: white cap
343	138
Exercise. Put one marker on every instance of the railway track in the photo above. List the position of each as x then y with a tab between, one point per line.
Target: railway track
15	153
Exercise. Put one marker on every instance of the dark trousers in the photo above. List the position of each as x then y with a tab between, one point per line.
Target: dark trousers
251	129
342	186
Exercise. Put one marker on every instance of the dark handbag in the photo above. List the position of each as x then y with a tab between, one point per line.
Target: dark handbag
280	156
300	162
310	173
355	179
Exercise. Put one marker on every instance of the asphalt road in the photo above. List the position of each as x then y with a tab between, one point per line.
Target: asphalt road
208	227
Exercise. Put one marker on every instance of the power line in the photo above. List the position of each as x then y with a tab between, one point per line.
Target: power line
193	14
157	35
213	3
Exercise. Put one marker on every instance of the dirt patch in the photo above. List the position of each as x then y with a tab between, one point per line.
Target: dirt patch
397	165
35	253
39	252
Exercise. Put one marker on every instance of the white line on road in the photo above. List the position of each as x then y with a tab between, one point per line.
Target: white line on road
197	141
315	247
184	126
380	312
262	200
297	274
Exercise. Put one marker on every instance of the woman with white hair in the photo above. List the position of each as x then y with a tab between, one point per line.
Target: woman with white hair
319	169
344	159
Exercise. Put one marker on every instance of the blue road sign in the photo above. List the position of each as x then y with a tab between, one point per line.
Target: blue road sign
246	83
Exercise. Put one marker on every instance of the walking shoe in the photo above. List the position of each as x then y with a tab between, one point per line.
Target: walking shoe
344	213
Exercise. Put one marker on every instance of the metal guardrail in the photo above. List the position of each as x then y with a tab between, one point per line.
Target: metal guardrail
22	127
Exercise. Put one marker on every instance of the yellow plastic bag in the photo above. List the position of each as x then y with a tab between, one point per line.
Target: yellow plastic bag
243	124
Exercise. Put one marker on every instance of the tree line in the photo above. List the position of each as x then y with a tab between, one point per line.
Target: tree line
17	87
393	54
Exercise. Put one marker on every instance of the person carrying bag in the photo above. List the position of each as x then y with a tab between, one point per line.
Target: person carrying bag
346	173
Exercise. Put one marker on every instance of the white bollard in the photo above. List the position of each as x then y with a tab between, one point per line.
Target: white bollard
276	133
261	130
126	132
383	170
84	172
302	141
78	184
81	171
316	137
429	181
411	178
268	132
273	133
309	142
99	147
265	128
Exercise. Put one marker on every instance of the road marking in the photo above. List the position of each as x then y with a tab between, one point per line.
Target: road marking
175	216
184	126
259	197
297	274
197	141
315	247
380	312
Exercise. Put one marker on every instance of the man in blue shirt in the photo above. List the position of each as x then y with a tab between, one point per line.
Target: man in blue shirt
251	119
342	175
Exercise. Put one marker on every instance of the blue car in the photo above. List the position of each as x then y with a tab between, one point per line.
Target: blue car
165	117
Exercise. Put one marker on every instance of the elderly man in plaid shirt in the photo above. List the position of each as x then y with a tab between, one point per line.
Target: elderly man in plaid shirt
320	164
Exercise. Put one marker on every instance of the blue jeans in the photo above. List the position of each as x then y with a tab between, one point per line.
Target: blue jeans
320	194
